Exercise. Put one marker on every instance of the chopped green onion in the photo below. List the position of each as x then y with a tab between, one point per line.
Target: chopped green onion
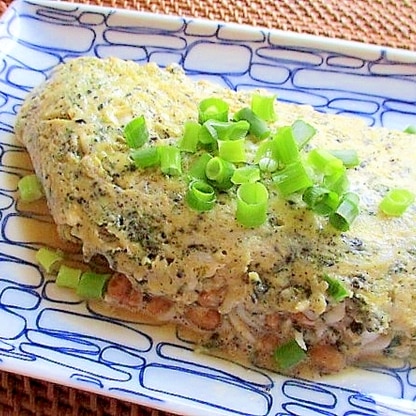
136	133
232	150
293	178
346	212
258	127
212	109
207	134
263	106
411	129
92	285
286	146
48	258
289	354
396	202
30	188
266	156
324	162
321	200
227	130
145	157
338	182
302	132
190	138
68	277
267	164
170	160
336	289
349	157
246	174
220	171
200	196
252	204
198	168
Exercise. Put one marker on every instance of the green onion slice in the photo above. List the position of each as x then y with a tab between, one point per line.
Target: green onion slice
263	106
48	258
232	150
346	212
212	109
266	156
30	188
136	133
227	130
321	200
396	202
190	138
252	204
198	167
92	285
258	127
325	162
338	182
289	354
246	174
170	160
146	157
349	157
220	171
336	289
68	277
411	129
293	178
207	135
286	145
200	196
302	133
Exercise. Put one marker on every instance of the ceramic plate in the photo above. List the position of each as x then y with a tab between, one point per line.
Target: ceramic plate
52	335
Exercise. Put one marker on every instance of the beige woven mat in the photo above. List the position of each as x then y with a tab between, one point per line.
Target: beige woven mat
381	22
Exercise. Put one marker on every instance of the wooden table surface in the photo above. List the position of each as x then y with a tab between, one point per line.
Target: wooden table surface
381	22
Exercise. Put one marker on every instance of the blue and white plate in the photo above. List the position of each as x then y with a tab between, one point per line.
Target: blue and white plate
50	334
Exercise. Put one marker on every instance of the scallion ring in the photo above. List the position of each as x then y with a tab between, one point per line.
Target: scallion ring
212	109
346	212
30	188
246	174
320	200
252	202
92	285
293	178
263	106
170	160
220	172
258	127
336	289
302	133
136	133
145	157
190	138
200	196
396	202
232	150
289	354
286	145
325	162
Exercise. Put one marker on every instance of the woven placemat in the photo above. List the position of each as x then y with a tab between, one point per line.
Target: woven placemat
381	22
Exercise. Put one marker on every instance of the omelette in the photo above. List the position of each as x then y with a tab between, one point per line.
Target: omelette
292	292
